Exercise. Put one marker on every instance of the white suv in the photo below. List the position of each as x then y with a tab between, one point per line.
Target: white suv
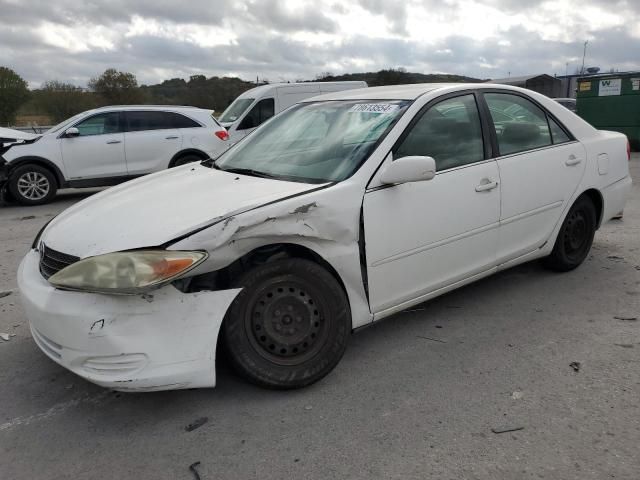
107	146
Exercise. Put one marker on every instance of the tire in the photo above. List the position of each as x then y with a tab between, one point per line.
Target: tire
574	238
188	158
7	197
289	326
32	185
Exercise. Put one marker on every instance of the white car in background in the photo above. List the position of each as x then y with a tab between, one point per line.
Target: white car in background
107	146
254	107
9	136
337	213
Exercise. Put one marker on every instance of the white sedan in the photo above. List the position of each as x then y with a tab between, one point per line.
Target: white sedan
339	212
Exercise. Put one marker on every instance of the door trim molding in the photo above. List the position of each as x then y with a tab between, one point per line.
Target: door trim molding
379	315
439	243
530	213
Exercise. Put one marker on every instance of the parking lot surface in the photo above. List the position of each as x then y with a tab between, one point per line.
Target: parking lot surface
555	357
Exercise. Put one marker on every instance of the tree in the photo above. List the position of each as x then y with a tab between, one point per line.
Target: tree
324	76
391	76
13	93
62	100
117	88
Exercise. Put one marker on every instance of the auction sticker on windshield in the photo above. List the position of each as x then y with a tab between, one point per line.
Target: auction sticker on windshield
374	108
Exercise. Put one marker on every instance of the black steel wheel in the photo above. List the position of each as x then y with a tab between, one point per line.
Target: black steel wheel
289	325
575	237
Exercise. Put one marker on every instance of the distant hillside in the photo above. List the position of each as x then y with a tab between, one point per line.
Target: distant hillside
397	77
215	93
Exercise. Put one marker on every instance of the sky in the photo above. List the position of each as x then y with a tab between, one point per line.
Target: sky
287	40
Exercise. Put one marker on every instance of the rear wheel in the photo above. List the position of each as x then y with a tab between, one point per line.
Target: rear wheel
575	237
32	185
289	325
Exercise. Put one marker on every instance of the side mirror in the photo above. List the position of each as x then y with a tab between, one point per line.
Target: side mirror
71	132
409	169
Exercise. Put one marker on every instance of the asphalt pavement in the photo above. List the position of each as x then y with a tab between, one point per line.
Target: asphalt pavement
427	393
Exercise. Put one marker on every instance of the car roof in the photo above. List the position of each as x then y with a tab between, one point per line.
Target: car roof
407	92
149	107
263	89
393	92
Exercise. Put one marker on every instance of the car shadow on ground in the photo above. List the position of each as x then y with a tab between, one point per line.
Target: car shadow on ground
385	336
69	195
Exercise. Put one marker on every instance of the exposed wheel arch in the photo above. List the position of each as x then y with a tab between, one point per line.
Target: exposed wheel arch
188	151
224	277
43	162
596	197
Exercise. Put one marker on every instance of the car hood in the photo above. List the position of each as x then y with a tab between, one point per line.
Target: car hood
10	135
153	210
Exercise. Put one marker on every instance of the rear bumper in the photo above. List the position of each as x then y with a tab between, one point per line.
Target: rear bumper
615	198
163	341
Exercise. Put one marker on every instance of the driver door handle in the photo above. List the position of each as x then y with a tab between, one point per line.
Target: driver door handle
111	142
486	185
172	137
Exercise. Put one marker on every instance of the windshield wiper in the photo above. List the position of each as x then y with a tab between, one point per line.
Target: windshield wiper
247	171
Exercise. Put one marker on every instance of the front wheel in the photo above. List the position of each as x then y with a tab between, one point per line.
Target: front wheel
189	158
574	238
32	185
289	325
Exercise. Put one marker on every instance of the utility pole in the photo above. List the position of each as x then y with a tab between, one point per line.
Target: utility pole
584	54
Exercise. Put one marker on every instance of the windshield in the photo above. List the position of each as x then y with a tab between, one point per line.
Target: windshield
235	110
314	142
65	122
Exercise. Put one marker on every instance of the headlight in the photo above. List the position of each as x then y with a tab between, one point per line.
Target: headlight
126	272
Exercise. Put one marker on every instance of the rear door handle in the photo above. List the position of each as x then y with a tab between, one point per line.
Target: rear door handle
111	142
572	160
486	185
172	137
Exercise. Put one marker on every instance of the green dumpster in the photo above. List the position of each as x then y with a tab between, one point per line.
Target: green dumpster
612	102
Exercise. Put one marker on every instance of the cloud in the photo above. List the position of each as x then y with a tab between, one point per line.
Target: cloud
287	40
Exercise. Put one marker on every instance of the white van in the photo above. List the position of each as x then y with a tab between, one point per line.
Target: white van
255	106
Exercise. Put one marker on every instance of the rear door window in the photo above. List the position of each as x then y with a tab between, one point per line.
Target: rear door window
558	135
519	123
138	121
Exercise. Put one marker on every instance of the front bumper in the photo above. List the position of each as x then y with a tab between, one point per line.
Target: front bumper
4	172
165	340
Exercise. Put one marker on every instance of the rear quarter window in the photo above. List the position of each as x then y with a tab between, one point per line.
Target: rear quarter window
180	121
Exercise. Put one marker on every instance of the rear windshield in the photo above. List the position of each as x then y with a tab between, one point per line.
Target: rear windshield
315	142
235	110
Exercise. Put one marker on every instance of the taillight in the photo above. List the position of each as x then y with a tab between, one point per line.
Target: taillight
222	135
628	150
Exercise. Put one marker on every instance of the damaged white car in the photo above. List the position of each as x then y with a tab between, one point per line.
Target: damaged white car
336	213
